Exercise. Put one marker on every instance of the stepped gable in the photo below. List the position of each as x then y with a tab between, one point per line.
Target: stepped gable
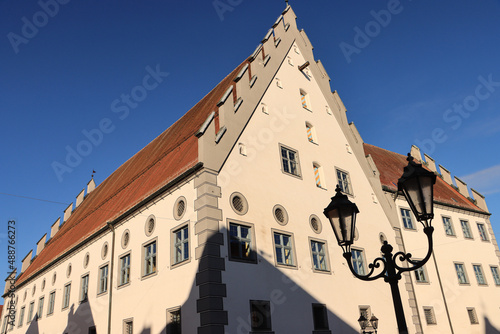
390	166
161	161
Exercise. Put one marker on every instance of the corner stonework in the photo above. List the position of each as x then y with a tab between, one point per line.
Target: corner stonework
212	291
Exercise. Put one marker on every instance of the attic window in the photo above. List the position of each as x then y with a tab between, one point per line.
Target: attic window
278	83
304	100
242	149
287	26
150	225
238	104
180	207
264	108
266	60
328	110
290	61
296	49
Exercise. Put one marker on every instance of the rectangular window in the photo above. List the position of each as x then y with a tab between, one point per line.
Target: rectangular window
150	258
343	181
309	133
462	276
67	291
421	275
290	161
125	269
103	279
52	300
284	249
448	228
320	317
303	99
466	229
358	261
482	232
5	322
407	222
318	252
472	316
84	288
260	315
174	324
92	330
317	176
30	312
21	316
181	244
40	307
496	275
128	327
240	242
478	271
430	318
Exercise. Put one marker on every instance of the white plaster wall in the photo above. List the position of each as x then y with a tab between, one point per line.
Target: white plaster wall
259	178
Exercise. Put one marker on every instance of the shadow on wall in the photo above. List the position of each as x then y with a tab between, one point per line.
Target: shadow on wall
489	329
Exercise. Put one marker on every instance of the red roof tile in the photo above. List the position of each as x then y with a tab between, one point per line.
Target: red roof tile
161	161
390	166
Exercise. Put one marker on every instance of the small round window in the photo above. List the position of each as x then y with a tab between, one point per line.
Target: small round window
315	224
149	227
280	214
180	207
104	251
125	238
238	203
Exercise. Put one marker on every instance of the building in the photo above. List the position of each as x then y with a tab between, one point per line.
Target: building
216	226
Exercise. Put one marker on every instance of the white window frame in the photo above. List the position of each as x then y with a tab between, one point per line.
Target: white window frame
124	269
66	295
448	228
21	316
281	249
52	303
356	263
344	181
432	320
39	312
171	313
496	275
250	240
462	273
103	279
407	217
479	273
30	312
464	223
150	258
483	234
289	162
319	254
84	287
180	246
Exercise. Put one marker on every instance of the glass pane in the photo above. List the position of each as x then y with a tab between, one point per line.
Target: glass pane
277	239
244	232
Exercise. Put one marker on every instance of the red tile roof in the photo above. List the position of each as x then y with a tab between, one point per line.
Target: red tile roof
169	155
390	166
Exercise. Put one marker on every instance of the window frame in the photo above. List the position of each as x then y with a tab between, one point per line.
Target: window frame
125	323
84	295
324	310
66	296
410	217
144	265
173	245
326	257
472	310
469	231
305	100
30	312
297	161
311	133
481	272
170	311
320	175
362	252
422	269
253	246
52	303
349	183
120	258
466	277
265	306
21	316
292	247
41	302
454	234
495	273
483	233
101	292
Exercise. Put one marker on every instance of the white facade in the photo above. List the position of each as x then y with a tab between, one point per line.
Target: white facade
285	109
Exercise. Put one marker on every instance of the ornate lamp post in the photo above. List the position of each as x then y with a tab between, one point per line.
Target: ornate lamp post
363	323
416	184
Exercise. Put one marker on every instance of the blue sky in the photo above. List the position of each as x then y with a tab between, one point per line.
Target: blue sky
408	72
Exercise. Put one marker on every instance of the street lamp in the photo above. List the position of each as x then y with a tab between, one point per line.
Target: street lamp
363	323
416	184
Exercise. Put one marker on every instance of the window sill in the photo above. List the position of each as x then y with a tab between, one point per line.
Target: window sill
287	266
103	293
180	264
422	282
322	331
319	271
149	275
123	285
252	261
